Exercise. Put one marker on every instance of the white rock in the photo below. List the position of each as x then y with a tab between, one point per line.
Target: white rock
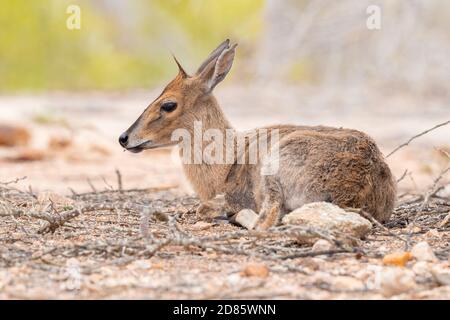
432	234
395	280
73	262
422	268
328	217
246	218
346	283
423	252
441	275
141	264
233	279
5	278
201	225
322	245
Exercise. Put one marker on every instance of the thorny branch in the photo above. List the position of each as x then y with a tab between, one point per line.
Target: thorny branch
242	242
433	190
417	136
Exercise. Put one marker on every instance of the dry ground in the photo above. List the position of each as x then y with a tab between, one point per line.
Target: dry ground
110	251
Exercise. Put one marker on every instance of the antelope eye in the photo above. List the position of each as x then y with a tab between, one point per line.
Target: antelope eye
168	106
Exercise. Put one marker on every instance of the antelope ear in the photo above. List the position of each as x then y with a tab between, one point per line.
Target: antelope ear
217	69
213	55
181	71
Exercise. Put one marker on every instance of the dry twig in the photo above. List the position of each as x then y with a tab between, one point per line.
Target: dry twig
417	136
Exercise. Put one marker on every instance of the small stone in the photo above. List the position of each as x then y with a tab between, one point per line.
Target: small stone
363	274
311	264
432	234
347	283
201	225
160	216
246	218
12	136
414	229
233	279
441	275
255	270
422	269
398	259
328	217
141	264
444	221
5	278
394	281
73	262
322	245
438	293
423	252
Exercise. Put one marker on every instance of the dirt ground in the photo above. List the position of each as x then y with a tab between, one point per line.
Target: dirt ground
111	251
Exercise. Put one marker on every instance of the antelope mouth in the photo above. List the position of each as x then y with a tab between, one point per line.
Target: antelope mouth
149	145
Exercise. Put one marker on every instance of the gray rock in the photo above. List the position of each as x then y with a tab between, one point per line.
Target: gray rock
330	218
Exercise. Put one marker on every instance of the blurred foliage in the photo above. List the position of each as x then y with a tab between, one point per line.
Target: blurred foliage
113	49
50	118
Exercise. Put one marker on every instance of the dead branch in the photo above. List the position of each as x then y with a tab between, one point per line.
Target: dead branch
59	220
426	198
417	136
379	225
119	180
94	190
13	181
15	212
402	176
152	189
434	188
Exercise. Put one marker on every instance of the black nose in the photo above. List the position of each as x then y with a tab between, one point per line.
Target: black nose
123	139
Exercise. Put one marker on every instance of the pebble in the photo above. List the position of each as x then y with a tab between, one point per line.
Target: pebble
322	245
255	270
394	281
423	252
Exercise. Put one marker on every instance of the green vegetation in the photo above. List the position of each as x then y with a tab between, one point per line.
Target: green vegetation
113	49
49	117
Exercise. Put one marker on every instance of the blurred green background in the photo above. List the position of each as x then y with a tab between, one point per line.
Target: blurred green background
121	44
128	44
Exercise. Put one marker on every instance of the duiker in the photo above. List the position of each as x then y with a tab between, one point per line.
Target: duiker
341	166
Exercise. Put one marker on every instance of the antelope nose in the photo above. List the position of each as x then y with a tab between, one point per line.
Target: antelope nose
123	139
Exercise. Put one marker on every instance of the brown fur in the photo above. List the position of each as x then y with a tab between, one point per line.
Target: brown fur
341	166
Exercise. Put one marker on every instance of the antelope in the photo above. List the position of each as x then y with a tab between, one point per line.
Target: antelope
315	163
